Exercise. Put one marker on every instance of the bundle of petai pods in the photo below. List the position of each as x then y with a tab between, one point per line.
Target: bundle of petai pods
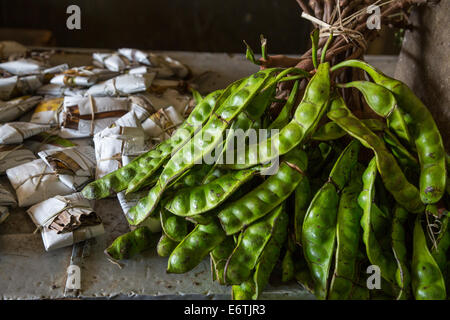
314	194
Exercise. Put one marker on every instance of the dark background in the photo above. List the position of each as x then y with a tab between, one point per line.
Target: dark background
191	25
188	25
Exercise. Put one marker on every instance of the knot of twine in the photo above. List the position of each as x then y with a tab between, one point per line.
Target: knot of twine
68	205
341	26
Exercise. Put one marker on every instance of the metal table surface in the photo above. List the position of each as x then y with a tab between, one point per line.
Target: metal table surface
27	271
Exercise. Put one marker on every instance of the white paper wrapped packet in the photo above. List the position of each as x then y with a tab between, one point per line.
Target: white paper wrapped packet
122	85
56	69
75	166
60	90
15	86
22	67
13	155
140	111
113	143
16	132
124	138
34	182
28	85
85	116
135	55
162	124
7	86
53	241
46	112
82	76
111	61
168	98
65	220
13	109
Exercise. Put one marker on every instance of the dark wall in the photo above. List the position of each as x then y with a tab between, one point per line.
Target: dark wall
193	25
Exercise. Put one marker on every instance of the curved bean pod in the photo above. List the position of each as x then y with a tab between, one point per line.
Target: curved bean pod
219	257
340	174
404	157
202	143
253	287
191	178
427	280
301	203
267	196
374	225
305	120
240	128
331	130
144	166
195	247
287	267
131	243
225	94
319	226
174	227
283	118
319	234
197	200
393	178
214	174
165	246
423	130
402	275
383	103
379	99
347	239
250	246
205	218
244	291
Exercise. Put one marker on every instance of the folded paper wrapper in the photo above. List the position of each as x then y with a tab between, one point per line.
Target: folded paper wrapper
75	166
129	137
162	124
122	85
22	67
16	86
59	90
13	109
65	220
16	132
112	144
85	76
46	112
136	61
76	117
13	155
34	182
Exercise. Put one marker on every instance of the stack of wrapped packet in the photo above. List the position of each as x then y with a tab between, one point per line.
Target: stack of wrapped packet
129	137
52	117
